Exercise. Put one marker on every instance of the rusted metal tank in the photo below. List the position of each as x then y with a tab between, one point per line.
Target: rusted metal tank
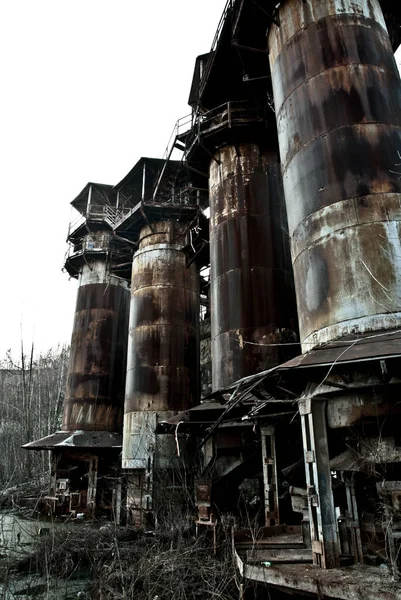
96	375
163	346
252	295
338	107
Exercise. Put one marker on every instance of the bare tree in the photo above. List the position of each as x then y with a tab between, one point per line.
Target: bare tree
31	401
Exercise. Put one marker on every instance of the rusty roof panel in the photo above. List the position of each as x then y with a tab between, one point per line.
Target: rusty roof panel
101	194
77	439
350	349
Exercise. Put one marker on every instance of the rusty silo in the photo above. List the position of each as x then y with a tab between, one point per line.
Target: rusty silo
162	366
96	376
95	384
234	144
86	473
338	103
251	283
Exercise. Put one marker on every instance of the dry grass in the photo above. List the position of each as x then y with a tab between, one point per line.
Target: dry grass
124	564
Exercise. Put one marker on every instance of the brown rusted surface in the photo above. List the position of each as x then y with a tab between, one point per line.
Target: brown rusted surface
338	103
294	17
349	349
96	376
252	302
162	370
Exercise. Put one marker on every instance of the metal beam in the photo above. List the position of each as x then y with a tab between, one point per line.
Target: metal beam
323	522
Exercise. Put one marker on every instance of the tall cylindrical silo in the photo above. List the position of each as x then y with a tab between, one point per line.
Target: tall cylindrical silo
96	375
163	355
338	105
252	297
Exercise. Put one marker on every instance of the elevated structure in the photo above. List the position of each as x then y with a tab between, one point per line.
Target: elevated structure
337	94
234	140
86	451
96	375
163	365
163	345
232	147
98	347
308	448
335	91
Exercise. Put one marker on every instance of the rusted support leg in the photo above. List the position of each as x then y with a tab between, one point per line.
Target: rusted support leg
118	494
92	484
343	531
392	551
270	484
55	458
353	520
323	523
214	527
149	483
136	497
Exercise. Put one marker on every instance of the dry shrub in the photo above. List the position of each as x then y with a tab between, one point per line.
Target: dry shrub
122	563
166	568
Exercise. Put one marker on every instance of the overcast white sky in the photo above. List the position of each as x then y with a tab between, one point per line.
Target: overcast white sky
88	87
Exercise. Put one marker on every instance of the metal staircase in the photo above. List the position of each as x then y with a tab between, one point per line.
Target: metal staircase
176	142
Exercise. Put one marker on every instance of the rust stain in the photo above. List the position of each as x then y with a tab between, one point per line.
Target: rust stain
162	373
338	98
252	302
96	375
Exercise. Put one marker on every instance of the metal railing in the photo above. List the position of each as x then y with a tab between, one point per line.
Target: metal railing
187	195
186	124
227	115
113	215
101	213
75	223
181	127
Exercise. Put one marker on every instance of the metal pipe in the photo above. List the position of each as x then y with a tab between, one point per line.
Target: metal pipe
337	94
88	205
143	181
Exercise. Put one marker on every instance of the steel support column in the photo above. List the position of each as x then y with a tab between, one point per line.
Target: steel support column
323	522
270	484
92	484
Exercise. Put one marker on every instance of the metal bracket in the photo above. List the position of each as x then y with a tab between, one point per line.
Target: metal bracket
305	406
272	17
152	229
309	456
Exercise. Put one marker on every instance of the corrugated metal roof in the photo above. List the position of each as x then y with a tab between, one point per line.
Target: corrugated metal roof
260	389
102	193
370	346
350	349
77	439
133	179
